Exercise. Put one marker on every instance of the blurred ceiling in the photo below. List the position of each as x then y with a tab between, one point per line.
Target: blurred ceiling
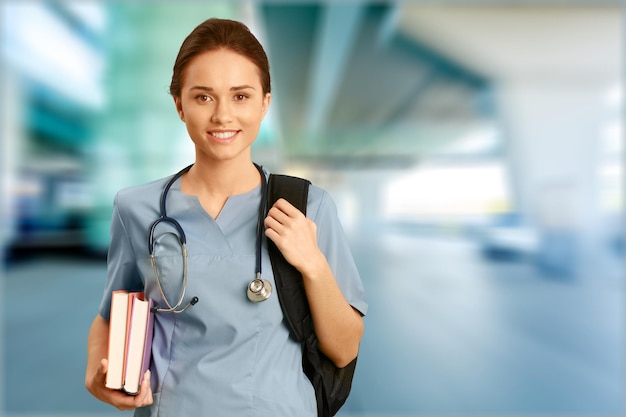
354	82
358	82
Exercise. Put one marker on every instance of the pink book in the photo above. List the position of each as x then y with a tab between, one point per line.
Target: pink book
118	322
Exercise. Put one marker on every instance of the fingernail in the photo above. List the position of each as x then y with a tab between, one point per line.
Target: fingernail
147	376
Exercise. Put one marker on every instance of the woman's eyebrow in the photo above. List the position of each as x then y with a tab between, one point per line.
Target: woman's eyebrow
234	88
241	87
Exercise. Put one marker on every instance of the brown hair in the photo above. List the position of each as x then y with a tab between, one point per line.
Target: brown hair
215	34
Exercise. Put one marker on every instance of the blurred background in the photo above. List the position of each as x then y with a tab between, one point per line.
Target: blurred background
474	150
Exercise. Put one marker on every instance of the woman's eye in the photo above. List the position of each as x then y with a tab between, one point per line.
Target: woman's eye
203	98
240	97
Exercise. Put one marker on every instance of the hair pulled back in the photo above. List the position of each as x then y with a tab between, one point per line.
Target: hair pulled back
213	34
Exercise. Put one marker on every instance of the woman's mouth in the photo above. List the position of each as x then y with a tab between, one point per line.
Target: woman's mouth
224	136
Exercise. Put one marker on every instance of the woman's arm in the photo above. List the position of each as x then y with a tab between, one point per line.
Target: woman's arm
95	375
338	326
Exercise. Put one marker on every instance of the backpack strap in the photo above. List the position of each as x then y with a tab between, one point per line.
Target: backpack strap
331	384
293	189
289	284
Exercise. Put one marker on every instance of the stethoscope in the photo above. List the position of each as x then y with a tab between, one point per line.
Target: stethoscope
258	289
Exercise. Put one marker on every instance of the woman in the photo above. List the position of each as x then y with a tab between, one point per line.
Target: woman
225	355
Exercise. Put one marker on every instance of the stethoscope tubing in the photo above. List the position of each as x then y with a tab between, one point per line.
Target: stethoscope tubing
258	290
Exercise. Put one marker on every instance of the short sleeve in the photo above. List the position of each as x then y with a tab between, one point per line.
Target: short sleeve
334	244
122	272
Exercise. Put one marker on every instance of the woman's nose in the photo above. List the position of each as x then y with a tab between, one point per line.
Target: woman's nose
221	113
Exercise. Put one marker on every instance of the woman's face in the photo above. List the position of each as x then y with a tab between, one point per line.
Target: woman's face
222	104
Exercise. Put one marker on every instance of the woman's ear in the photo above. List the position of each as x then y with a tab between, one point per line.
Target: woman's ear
266	103
179	108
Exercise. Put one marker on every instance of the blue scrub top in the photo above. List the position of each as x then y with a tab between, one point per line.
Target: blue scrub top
225	356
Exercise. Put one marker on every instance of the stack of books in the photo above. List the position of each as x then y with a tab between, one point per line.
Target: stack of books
130	340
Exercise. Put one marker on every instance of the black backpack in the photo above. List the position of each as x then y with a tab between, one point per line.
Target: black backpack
332	385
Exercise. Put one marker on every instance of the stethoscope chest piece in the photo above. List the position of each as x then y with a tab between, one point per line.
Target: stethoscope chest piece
259	290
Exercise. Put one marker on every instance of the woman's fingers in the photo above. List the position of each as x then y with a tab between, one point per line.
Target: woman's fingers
281	213
283	216
119	399
293	233
145	394
102	370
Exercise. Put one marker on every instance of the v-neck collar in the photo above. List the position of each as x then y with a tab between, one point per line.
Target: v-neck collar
235	205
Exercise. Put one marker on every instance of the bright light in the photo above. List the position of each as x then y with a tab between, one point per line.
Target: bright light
41	46
611	166
480	140
615	96
444	191
612	136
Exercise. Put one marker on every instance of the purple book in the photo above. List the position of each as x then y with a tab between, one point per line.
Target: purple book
147	349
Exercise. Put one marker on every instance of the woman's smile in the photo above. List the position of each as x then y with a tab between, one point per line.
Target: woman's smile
223	136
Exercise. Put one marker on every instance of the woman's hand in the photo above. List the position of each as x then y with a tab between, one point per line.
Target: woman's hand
118	399
338	326
295	236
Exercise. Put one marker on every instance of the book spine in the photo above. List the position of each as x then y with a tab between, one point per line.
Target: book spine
147	351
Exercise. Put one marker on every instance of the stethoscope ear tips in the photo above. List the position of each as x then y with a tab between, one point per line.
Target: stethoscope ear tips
259	290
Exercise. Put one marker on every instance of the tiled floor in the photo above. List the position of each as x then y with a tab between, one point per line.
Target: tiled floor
447	333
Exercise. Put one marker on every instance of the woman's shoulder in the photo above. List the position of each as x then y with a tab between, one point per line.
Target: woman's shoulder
320	202
145	192
317	194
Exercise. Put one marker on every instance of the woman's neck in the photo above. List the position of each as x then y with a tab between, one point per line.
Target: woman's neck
213	183
228	177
